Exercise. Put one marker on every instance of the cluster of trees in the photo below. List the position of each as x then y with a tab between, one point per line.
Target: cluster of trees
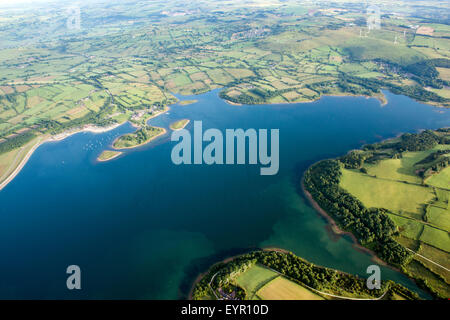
316	277
146	133
435	162
395	288
417	93
365	86
16	142
371	227
267	94
243	98
140	136
425	284
418	141
422	141
260	96
354	159
10	97
425	73
425	140
320	87
434	156
356	85
223	275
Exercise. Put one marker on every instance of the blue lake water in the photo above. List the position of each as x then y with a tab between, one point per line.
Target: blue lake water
141	227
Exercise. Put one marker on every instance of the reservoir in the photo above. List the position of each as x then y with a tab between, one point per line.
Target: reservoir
141	227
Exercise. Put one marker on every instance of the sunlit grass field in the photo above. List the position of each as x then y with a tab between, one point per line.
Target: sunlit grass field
397	196
441	180
284	289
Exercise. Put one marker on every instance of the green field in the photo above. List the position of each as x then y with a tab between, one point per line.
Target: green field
437	238
403	198
441	180
436	256
409	228
439	217
254	279
419	270
420	212
261	283
283	289
399	169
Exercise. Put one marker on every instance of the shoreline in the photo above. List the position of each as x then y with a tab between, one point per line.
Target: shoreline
232	103
58	137
86	128
20	166
381	97
166	108
339	232
61	136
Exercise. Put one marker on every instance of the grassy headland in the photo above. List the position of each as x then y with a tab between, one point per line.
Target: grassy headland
280	275
390	196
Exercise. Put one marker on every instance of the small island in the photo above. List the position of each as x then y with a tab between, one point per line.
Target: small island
108	155
187	102
180	124
136	139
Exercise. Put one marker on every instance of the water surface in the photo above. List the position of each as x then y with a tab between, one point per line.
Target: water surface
141	227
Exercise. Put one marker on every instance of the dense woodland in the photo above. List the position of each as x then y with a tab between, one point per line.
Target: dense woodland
16	142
